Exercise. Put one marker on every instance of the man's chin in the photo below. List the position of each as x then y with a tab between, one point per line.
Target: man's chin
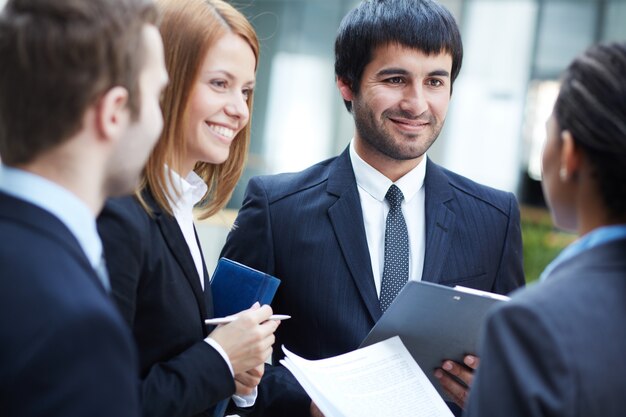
119	187
407	151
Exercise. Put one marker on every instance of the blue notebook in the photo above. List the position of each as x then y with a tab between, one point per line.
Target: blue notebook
235	287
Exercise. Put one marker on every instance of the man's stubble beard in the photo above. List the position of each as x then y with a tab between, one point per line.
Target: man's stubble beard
376	136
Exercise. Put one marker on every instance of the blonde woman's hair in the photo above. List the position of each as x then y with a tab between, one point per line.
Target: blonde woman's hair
189	29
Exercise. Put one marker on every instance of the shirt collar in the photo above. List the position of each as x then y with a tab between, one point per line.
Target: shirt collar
376	184
60	202
596	237
190	189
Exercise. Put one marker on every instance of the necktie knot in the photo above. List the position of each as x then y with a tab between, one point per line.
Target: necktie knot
394	196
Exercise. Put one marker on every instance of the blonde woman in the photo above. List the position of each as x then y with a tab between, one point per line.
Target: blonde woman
154	259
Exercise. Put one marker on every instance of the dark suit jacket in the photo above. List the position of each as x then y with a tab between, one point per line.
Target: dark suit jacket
157	288
64	349
557	348
307	229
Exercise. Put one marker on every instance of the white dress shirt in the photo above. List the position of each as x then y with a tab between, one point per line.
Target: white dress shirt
373	186
190	191
61	203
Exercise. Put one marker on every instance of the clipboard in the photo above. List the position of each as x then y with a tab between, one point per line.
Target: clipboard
435	322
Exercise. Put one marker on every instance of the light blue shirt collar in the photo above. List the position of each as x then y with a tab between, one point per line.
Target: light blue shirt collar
60	202
596	237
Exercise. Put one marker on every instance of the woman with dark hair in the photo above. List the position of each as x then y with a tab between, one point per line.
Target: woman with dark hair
157	273
558	348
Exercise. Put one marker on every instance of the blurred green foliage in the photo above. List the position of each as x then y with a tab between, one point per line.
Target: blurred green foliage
542	242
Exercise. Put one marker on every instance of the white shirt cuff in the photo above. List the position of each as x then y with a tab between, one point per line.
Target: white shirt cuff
221	351
241	401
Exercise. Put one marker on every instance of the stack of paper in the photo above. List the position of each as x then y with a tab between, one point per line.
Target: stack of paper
379	380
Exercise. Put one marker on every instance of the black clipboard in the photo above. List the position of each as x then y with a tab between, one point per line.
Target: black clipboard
435	322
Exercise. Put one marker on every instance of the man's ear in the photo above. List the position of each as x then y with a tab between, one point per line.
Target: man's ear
571	156
345	89
112	113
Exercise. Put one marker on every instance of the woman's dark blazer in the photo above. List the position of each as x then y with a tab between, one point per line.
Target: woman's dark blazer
557	349
156	285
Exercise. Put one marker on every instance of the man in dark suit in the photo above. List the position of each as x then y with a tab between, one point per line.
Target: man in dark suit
79	113
329	231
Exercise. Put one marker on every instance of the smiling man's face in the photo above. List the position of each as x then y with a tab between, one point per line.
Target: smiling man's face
401	104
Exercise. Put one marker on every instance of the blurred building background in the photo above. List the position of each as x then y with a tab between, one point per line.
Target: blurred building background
514	53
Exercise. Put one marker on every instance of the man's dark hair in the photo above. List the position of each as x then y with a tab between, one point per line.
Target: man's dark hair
592	107
419	24
57	58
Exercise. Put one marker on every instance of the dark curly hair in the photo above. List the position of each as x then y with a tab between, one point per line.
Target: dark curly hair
592	106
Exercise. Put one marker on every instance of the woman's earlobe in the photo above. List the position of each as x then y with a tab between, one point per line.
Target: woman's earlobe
571	157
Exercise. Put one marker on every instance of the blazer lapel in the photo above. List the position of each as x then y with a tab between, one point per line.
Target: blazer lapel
346	217
208	295
440	221
179	249
46	223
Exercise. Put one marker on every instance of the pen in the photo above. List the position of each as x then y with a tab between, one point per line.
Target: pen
229	319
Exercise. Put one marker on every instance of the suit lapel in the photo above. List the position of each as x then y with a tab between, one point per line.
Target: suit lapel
440	221
208	295
21	211
346	217
175	241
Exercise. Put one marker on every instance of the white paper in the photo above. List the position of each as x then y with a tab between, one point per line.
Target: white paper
379	380
482	293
